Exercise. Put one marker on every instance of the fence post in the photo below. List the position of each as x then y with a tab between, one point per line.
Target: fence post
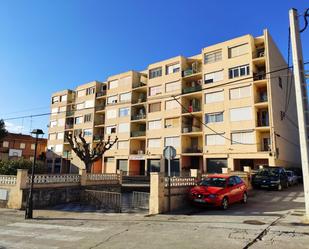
156	200
17	193
22	178
247	169
120	174
226	170
83	177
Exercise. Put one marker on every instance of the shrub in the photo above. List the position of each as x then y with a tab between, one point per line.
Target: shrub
9	167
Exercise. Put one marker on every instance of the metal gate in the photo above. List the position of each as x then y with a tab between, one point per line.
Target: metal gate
103	200
140	200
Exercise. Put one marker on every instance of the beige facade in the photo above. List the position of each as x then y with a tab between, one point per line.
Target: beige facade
220	108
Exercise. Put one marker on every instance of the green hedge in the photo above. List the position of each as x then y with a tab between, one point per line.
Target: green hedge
9	167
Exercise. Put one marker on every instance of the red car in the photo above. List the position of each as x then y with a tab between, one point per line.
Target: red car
219	191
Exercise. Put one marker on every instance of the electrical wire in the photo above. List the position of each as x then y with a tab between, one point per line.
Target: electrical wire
305	15
287	140
289	77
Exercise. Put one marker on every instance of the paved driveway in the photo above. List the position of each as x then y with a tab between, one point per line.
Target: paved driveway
269	220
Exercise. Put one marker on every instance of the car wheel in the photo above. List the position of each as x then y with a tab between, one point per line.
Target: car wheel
279	188
245	198
225	203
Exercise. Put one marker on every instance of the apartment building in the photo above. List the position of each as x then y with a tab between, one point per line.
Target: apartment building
16	146
224	107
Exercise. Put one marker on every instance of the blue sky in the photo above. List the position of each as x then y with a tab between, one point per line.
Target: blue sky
47	46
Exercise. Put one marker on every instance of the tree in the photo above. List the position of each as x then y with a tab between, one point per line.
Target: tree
83	151
3	131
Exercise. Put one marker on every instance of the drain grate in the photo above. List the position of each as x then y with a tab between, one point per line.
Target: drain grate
254	222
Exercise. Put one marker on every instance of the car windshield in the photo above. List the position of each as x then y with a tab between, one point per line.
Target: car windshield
214	182
268	172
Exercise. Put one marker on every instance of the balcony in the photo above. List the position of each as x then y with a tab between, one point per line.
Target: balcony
191	105
99	122
262	118
100	107
191	89
97	137
101	93
190	129
262	97
67	154
138	133
191	150
70	113
140	98
138	116
137	85
69	126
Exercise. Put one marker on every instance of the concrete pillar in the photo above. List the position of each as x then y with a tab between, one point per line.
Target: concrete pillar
83	177
120	174
230	163
193	172
226	170
247	169
22	178
156	200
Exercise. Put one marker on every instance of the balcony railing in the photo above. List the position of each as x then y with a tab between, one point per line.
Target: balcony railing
192	108
262	97
192	150
139	84
192	89
138	133
97	137
259	76
138	117
100	107
139	100
101	93
67	154
70	113
69	126
189	72
189	129
99	122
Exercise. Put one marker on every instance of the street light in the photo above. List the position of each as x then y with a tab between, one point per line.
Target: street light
29	205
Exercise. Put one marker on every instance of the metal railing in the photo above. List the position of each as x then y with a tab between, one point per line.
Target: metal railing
192	150
100	107
139	84
101	93
181	181
191	129
7	180
192	89
189	71
138	116
70	113
138	133
259	76
140	200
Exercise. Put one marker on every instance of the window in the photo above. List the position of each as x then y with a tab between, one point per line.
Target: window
155	107
154	143
171	104
89	103
54	111
125	97
214	97
238	50
90	90
87	118
174	68
59	148
240	92
78	120
61	122
213	77
125	111
53	123
113	84
52	136
63	98
111	129
87	132
213	57
22	145
172	141
154	124
81	93
80	106
241	114
123	145
173	86
239	71
156	72
214	117
215	139
55	99
171	123
124	127
155	90
60	135
111	113
112	99
244	137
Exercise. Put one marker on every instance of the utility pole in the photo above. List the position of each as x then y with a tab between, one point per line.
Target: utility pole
301	101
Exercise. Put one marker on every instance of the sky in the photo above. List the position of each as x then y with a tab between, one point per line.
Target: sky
47	46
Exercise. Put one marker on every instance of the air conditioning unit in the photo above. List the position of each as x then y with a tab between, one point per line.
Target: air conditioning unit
140	152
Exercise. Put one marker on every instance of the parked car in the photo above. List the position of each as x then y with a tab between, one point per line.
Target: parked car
219	191
298	172
292	177
271	178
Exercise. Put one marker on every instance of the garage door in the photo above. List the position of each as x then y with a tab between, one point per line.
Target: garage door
215	165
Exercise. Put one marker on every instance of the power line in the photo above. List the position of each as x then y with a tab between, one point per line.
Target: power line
305	15
289	76
217	133
242	80
287	140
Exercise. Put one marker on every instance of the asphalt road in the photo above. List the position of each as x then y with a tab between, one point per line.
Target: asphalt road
271	219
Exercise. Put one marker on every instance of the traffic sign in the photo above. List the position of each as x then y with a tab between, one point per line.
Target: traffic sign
169	152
